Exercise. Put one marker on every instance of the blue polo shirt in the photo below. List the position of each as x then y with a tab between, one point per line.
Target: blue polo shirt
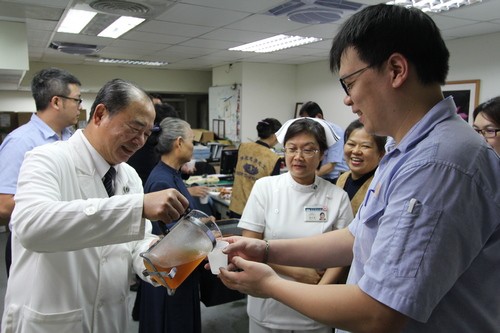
427	237
23	139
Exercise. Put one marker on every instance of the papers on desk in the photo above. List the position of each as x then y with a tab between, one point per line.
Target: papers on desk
207	179
221	175
202	180
221	193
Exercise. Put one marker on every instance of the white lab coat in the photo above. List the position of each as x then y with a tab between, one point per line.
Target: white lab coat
73	248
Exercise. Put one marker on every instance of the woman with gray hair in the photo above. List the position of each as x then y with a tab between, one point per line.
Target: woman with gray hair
159	312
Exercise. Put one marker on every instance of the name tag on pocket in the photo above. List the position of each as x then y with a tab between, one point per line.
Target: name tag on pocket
315	214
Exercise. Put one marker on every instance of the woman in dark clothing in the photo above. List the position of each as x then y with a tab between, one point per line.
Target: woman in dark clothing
159	312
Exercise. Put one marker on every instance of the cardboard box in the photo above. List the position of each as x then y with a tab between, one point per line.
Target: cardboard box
203	136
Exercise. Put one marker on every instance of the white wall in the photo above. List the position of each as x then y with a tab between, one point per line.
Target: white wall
267	91
227	75
93	77
21	101
477	58
316	83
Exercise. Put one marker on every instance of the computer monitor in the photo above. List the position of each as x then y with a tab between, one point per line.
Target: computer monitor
228	160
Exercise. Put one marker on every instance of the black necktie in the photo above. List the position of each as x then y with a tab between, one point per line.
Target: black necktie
108	181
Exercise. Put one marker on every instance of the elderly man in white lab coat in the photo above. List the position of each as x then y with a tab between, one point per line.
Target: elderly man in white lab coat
75	247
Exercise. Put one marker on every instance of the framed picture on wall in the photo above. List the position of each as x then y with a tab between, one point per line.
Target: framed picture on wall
466	96
297	109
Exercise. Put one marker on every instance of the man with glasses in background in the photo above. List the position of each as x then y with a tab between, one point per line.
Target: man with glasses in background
58	104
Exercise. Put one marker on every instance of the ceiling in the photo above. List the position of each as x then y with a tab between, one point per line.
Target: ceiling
195	34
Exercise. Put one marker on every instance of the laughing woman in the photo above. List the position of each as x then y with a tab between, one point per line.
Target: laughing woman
362	152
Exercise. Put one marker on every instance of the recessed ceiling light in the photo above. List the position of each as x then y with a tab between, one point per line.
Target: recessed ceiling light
75	21
132	62
121	26
275	43
434	6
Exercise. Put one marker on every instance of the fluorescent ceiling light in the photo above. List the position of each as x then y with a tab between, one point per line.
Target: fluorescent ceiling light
132	62
121	26
434	6
75	21
275	43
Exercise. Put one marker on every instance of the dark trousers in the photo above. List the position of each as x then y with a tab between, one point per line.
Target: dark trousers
8	253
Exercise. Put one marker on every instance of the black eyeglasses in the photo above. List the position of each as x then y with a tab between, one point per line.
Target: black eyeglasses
488	132
78	100
347	86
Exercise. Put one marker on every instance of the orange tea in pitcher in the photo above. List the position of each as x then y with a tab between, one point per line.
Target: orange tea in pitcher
170	261
181	273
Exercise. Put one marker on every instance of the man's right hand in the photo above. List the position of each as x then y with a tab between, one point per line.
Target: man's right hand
166	206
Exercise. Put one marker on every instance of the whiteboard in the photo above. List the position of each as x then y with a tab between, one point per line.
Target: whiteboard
224	102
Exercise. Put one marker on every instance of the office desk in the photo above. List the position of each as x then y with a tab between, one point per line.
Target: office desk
220	205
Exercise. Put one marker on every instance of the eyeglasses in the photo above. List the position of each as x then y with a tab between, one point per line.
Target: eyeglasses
305	152
488	132
78	100
347	86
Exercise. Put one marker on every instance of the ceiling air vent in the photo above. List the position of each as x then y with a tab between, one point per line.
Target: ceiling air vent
75	48
147	9
315	11
120	7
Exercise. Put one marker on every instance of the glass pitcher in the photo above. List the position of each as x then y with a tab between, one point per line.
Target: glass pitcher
170	261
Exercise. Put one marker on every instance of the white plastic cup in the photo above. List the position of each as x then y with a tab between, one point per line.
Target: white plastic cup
204	200
216	258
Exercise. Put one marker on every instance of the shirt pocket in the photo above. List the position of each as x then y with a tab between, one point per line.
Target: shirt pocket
33	321
412	236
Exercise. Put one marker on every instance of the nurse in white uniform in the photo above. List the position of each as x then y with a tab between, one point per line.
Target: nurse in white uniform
292	205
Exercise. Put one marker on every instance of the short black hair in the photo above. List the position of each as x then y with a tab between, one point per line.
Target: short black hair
267	127
356	124
156	96
310	109
163	111
51	82
491	109
378	31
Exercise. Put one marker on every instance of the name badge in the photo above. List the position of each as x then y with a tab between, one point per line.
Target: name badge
315	214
